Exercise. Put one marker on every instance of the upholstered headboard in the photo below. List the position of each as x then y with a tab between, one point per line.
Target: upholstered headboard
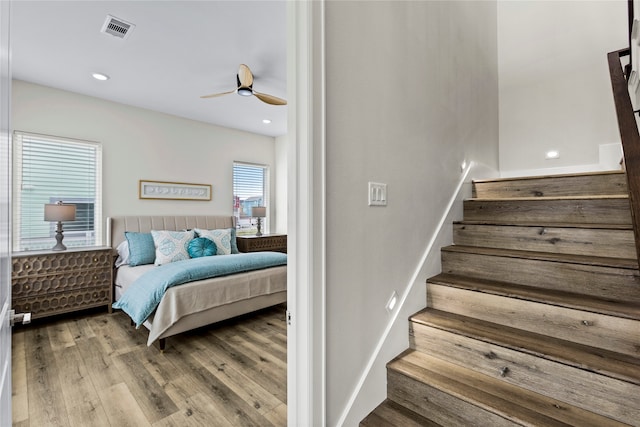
116	226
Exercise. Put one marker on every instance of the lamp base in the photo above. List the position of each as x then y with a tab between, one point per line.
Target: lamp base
259	232
59	246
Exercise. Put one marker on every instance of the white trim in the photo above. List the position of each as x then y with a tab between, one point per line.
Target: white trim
633	81
305	275
5	213
319	226
457	196
5	369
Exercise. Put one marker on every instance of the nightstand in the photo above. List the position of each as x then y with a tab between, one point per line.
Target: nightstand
46	283
266	242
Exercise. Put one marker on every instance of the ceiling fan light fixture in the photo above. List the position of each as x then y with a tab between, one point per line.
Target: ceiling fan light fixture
244	79
100	76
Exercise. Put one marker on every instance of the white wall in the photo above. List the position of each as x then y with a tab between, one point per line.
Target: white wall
143	144
555	91
281	176
412	91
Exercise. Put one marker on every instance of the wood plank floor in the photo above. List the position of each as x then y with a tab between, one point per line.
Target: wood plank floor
95	369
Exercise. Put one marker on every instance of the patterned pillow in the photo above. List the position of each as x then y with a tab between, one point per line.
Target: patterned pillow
141	248
234	243
201	246
171	246
221	237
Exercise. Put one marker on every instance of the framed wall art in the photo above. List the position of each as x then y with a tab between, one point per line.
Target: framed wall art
160	190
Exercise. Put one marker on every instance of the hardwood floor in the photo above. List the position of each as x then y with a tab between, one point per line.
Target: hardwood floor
96	370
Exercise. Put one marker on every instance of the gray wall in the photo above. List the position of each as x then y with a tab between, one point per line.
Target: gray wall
555	91
412	92
142	144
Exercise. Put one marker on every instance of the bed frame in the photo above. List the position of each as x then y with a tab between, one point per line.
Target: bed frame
116	226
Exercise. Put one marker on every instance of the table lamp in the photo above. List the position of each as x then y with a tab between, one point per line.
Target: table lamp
58	212
259	212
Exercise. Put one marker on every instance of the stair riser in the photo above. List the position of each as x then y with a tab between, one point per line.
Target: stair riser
578	241
441	407
601	394
620	284
583	185
587	211
498	397
389	413
597	330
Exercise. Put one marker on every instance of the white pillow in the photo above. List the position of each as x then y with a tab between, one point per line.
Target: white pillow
221	237
123	253
171	246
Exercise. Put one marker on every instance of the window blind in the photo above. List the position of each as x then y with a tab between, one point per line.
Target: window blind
48	169
250	188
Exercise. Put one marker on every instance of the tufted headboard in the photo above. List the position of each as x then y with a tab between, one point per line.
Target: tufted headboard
117	225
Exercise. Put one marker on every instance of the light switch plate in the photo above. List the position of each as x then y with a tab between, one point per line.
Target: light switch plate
377	194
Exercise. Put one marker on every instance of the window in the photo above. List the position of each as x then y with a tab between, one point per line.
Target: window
250	184
47	169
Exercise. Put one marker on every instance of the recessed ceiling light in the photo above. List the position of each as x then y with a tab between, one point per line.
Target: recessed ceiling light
100	76
266	121
552	154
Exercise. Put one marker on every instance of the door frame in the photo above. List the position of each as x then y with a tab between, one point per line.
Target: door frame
306	399
5	216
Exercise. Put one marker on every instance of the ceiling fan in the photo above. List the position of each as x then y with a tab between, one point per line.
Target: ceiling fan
245	88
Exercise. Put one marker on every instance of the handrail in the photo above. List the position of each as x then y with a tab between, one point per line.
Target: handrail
629	135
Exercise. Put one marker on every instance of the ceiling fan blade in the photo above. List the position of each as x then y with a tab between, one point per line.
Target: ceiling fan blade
244	76
218	94
270	99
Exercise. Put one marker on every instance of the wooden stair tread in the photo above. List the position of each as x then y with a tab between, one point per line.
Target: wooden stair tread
576	208
601	361
530	177
389	413
548	198
536	317
631	264
509	401
611	241
547	224
592	184
626	309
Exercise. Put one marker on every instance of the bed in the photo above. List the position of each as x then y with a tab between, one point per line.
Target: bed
191	305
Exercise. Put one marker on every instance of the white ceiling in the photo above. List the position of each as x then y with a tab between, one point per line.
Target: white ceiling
178	51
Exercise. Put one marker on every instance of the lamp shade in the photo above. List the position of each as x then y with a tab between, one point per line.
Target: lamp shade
59	212
258	211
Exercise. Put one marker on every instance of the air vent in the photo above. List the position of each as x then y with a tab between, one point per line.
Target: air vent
117	27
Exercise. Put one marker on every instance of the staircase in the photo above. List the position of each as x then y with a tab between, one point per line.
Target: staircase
535	318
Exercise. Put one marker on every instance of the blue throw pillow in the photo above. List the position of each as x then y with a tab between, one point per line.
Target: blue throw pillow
201	246
141	248
233	241
221	237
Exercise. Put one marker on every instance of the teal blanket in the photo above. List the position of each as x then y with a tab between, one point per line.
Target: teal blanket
144	295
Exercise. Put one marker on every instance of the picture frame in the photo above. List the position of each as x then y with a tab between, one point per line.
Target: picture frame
164	190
